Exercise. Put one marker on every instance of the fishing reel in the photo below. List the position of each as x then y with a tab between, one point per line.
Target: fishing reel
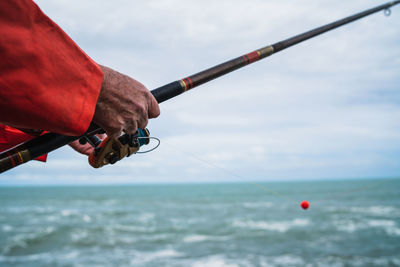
111	150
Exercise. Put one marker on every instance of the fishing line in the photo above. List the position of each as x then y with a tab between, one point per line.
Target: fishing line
276	193
150	138
240	177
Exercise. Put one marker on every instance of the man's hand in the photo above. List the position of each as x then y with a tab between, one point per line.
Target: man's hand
124	104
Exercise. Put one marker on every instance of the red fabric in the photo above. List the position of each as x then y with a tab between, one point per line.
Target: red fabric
10	137
46	81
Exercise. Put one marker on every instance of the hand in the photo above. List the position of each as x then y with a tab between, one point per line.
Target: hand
124	104
85	149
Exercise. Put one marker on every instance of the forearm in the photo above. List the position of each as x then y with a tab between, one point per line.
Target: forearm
46	81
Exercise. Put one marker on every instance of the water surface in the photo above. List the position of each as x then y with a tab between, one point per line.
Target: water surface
349	223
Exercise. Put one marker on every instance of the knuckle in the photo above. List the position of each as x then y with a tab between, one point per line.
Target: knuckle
130	130
141	110
143	123
130	127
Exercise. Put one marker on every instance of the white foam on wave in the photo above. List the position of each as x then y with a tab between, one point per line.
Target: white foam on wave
86	218
389	226
371	210
43	257
78	235
22	240
200	238
110	202
70	255
287	260
214	261
24	258
146	257
146	217
67	212
29	209
195	238
255	205
83	236
166	253
381	223
52	218
278	226
347	226
133	228
357	261
7	228
376	210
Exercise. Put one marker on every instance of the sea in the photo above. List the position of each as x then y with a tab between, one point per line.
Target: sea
348	223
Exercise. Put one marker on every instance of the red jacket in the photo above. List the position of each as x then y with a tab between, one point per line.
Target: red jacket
46	81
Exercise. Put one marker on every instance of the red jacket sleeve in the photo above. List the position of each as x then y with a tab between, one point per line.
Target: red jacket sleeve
46	81
10	137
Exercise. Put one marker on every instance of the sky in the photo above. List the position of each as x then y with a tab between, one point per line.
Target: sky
328	108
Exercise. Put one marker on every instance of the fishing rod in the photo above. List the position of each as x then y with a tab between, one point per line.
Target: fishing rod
110	151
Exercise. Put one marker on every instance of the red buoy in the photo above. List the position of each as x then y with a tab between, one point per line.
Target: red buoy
304	204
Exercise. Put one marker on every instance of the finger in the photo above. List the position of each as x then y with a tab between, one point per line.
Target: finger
143	121
131	128
113	132
154	109
83	149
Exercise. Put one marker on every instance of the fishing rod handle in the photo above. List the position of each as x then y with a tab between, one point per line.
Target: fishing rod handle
32	149
39	146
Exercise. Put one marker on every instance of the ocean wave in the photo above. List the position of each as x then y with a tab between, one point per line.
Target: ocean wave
214	261
68	212
356	261
195	238
377	210
86	218
350	226
79	235
60	216
113	235
145	217
255	205
390	227
53	218
371	210
146	257
289	260
285	260
201	238
86	238
48	257
7	228
24	258
132	228
29	209
24	240
278	226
